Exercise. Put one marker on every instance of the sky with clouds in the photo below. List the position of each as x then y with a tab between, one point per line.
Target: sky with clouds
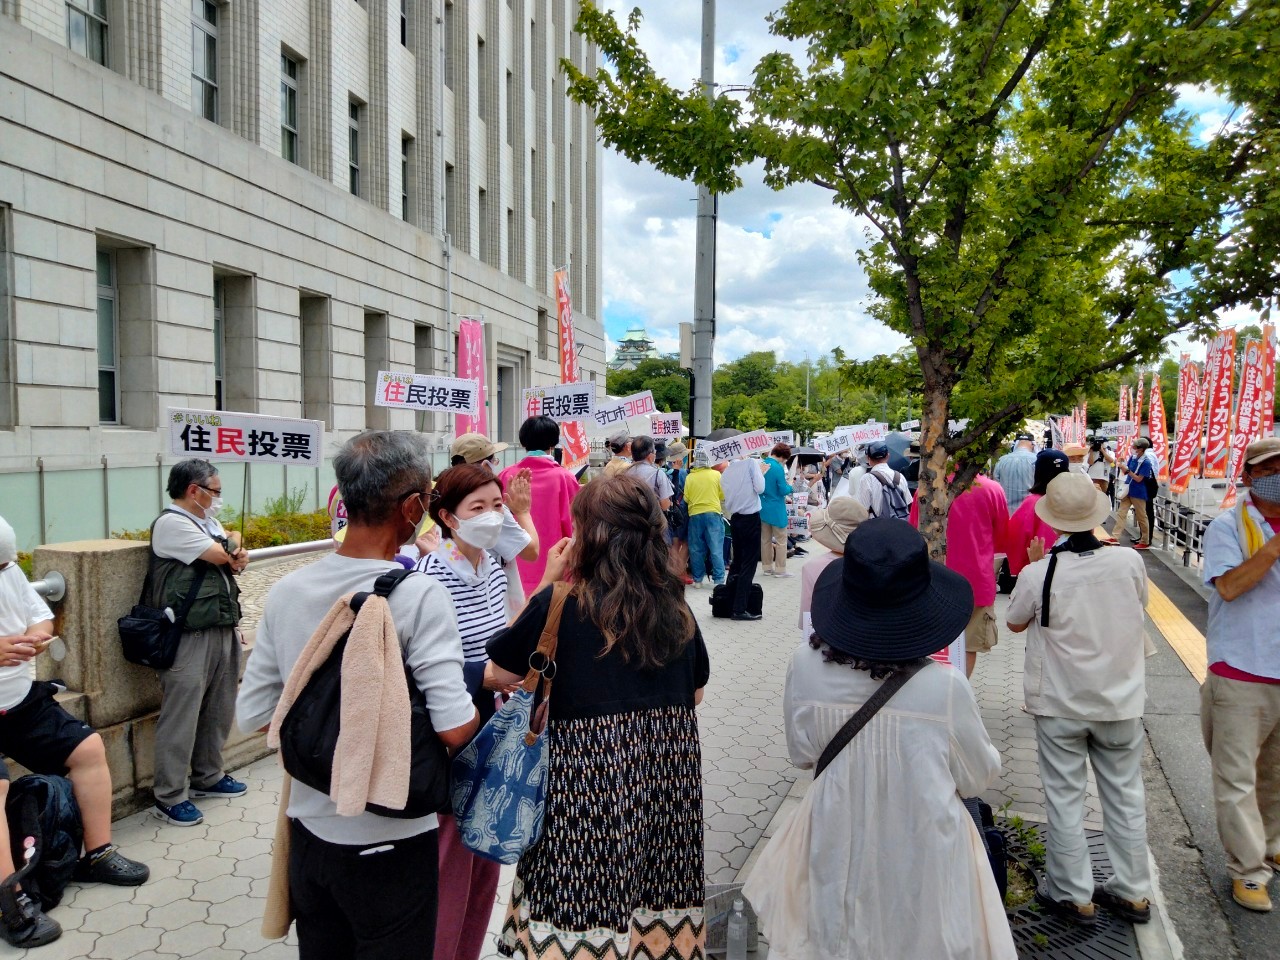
788	277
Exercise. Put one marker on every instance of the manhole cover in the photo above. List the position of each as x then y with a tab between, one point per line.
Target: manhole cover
1037	934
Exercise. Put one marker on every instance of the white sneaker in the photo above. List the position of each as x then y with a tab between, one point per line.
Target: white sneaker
768	573
696	585
784	575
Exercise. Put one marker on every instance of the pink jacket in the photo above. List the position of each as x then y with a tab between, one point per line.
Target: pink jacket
1024	526
977	526
552	487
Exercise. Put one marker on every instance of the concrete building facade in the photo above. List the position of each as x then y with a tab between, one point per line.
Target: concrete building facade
241	205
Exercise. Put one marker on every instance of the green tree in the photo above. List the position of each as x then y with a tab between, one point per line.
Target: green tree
805	423
1041	211
750	417
668	381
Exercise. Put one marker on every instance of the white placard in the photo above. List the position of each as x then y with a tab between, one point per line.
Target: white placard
666	426
417	391
745	444
244	437
798	524
862	434
906	426
636	405
560	401
835	443
783	436
800	500
1114	429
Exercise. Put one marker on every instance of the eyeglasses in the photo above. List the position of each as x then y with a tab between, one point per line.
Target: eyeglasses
209	490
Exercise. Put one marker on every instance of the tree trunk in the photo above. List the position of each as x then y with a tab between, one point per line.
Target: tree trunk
934	492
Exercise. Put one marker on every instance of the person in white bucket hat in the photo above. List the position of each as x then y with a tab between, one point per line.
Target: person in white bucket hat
1084	682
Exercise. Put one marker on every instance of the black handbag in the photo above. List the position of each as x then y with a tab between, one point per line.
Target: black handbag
309	731
147	636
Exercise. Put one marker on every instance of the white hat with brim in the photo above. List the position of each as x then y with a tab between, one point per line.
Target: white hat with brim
1072	504
831	527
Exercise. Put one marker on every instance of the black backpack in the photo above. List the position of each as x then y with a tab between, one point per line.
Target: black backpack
722	594
309	731
44	809
895	503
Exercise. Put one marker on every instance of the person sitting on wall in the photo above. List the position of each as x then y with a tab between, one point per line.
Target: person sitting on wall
38	733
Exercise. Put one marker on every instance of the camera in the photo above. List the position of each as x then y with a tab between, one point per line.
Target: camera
1096	443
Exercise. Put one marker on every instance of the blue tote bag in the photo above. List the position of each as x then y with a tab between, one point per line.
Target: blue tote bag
500	777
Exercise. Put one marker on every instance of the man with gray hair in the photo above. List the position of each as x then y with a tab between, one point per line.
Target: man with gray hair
191	551
365	885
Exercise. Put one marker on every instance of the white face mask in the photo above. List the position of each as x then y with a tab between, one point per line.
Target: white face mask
215	504
480	531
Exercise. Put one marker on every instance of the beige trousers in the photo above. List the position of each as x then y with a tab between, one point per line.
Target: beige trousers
773	557
1241	726
1139	512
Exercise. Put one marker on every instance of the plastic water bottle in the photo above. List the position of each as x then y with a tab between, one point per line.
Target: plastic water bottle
736	940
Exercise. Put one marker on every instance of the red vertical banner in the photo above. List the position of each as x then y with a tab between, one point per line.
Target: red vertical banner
1186	453
471	367
1219	376
1158	430
1248	415
1136	414
1268	380
573	433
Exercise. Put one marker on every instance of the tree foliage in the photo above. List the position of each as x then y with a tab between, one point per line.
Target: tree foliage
1040	209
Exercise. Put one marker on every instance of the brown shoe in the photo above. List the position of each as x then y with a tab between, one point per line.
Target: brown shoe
1080	914
1251	896
1273	862
1135	911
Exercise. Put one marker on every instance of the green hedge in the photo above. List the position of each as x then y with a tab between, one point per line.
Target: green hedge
268	531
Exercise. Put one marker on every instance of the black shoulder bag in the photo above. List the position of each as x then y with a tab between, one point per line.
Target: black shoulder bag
309	731
147	636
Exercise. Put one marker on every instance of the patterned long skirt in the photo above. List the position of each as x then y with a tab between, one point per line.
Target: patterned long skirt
617	873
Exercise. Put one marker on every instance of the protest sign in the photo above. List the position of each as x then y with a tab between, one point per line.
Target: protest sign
907	426
471	365
1112	429
745	444
835	443
782	436
244	437
561	401
800	500
666	426
636	405
1219	378
417	391
798	524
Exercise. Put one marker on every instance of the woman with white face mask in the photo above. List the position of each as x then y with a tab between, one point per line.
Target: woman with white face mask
467	505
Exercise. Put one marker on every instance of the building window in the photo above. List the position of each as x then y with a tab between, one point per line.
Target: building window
219	342
289	109
404	23
542	333
405	144
204	59
511	108
353	146
108	339
486	230
482	76
450	203
511	243
448	44
87	29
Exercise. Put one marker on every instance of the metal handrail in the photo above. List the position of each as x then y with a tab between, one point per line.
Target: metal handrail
1183	527
259	554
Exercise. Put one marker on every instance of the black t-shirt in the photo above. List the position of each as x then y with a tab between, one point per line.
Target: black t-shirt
588	685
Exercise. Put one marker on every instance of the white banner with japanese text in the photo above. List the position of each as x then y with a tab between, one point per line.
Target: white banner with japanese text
561	401
244	437
417	391
616	411
744	444
666	426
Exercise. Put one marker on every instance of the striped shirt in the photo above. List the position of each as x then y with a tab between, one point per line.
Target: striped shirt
1015	472
479	596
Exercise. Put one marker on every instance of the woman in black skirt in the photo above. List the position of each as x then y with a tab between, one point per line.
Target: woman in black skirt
618	870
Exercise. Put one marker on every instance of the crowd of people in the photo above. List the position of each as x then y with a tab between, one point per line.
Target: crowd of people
864	691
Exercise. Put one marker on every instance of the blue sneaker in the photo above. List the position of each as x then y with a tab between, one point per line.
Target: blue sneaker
226	787
184	814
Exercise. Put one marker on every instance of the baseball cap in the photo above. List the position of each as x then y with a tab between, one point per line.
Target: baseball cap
877	449
474	447
618	440
1142	442
1263	449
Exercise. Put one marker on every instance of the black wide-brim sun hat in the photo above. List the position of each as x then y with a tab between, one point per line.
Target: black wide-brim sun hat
885	600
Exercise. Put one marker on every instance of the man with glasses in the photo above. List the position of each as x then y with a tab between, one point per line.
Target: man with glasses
365	885
187	543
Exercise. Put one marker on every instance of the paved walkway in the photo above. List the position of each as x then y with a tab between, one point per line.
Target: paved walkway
205	899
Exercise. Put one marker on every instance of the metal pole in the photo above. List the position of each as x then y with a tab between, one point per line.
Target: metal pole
106	501
806	379
448	320
704	280
442	207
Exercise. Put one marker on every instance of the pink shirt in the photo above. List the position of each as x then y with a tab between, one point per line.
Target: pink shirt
552	488
1025	526
977	526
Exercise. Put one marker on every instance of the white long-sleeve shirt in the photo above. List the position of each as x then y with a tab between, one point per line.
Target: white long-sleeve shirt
742	482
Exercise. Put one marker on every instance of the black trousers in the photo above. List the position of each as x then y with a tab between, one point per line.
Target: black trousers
373	902
1153	487
746	554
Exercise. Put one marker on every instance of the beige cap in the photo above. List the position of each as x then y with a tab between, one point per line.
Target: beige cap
1072	504
832	526
1263	449
677	451
474	447
1075	450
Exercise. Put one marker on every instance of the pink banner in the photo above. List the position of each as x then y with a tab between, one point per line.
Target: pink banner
1219	375
1248	415
1186	452
573	434
1268	380
471	367
1137	404
1123	442
1158	428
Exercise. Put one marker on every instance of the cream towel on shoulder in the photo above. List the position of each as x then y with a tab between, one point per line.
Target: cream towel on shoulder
372	760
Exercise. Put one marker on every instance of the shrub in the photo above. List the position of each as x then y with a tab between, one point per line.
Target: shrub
24	561
266	531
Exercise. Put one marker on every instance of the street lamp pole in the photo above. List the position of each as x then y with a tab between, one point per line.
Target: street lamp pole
806	379
704	279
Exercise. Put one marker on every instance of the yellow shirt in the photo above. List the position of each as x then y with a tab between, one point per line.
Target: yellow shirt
702	491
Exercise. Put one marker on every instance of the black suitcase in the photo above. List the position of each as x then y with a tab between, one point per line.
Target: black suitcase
721	600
